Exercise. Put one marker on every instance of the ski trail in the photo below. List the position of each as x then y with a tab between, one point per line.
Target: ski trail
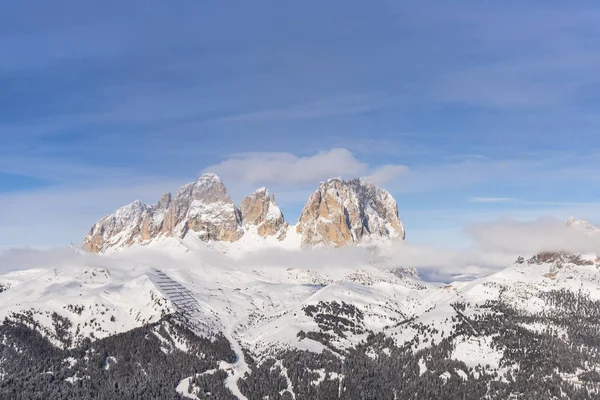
238	368
203	319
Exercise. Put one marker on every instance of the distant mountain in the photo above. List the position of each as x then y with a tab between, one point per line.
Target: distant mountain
340	212
581	224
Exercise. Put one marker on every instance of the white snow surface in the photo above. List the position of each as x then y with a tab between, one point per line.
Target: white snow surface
254	294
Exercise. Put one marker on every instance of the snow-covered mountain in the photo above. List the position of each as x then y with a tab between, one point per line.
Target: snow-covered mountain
583	225
202	208
340	212
183	316
321	323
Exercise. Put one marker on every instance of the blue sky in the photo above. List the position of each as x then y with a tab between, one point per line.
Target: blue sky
465	111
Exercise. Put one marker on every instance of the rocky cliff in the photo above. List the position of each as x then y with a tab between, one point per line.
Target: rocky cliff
259	209
202	208
341	212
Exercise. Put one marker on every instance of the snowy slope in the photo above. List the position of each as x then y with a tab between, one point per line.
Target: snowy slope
268	301
259	297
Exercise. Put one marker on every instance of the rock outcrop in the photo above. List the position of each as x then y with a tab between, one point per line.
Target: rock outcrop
342	212
202	208
126	226
259	209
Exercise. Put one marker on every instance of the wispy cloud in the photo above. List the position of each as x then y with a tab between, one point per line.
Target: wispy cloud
381	175
492	199
56	216
530	237
513	71
289	169
327	107
54	171
95	97
521	202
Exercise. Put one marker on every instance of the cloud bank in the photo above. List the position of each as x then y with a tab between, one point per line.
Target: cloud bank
287	168
495	245
545	234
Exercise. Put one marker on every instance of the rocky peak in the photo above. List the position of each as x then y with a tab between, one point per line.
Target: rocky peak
202	208
209	189
341	212
338	213
124	226
259	209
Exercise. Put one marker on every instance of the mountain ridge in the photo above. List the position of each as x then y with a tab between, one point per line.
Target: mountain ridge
338	213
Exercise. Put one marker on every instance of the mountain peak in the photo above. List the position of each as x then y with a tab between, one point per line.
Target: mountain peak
338	213
209	178
260	209
202	209
342	212
334	179
573	222
123	226
208	188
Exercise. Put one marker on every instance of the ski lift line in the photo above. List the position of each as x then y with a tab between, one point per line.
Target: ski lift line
171	287
183	301
179	295
189	311
170	284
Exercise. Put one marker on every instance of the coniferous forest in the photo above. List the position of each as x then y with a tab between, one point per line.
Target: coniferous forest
150	362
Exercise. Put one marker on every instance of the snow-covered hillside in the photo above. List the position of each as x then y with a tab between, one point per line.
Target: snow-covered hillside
324	308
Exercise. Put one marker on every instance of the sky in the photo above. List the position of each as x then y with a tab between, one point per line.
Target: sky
467	112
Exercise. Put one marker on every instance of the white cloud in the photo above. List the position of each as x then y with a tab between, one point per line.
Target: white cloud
387	173
442	264
530	237
495	246
287	168
327	107
433	263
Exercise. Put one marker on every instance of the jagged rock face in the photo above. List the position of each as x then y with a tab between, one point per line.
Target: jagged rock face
202	208
341	212
125	226
259	209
